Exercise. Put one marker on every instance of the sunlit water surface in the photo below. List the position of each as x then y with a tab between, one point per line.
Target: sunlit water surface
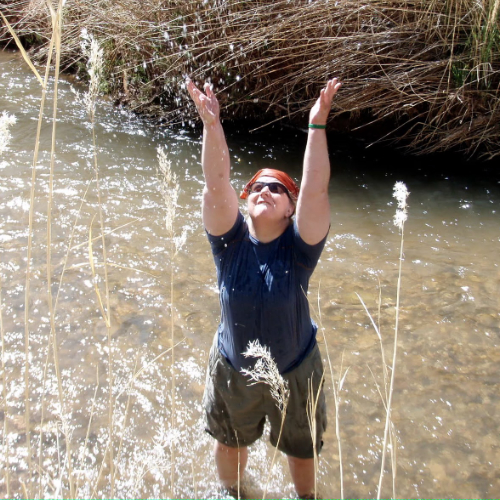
445	402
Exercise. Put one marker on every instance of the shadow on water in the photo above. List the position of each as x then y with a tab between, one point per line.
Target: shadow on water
445	401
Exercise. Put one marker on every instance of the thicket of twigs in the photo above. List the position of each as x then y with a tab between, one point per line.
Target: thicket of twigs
425	74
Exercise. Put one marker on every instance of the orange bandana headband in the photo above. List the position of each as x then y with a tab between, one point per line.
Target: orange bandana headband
280	176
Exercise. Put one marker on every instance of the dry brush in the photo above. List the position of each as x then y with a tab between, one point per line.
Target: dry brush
424	74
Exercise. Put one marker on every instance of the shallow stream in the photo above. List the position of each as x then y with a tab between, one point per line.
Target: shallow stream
446	400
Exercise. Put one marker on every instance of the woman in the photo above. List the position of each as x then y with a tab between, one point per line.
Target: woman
263	268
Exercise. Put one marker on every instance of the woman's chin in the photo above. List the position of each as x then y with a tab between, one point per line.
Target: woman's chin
262	209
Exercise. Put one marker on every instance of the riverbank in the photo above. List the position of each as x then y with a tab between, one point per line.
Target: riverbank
423	76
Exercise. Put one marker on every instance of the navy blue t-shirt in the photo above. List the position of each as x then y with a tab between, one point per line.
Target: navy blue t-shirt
263	294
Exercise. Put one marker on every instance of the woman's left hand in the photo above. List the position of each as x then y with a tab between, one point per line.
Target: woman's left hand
321	109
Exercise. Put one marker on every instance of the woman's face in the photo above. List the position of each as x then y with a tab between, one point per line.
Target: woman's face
265	203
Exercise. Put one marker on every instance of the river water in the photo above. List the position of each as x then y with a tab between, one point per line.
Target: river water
445	400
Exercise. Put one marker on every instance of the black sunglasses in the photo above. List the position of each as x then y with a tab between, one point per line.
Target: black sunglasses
274	187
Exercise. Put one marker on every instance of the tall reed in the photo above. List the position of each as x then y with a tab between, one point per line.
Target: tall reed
27	405
6	121
95	62
55	47
337	386
169	188
57	30
383	393
65	474
400	194
5	440
311	408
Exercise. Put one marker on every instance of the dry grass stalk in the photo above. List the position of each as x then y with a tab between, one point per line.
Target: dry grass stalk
95	62
57	30
128	387
337	385
126	412
376	327
94	54
238	485
169	187
84	450
266	371
337	389
65	460
23	52
312	405
54	43
28	273
69	247
5	439
27	413
401	194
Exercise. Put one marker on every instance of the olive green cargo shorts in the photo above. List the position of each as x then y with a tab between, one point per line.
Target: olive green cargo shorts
236	411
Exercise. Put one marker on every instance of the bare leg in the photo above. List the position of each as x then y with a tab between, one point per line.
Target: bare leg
227	460
302	471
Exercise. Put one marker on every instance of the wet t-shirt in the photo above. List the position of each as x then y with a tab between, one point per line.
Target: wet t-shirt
263	295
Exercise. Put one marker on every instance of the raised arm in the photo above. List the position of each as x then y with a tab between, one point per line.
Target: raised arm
220	201
313	206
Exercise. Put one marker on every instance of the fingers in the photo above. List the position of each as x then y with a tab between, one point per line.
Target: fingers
208	90
196	94
193	90
332	87
328	92
321	109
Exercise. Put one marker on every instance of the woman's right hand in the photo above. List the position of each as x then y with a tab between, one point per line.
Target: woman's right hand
206	103
321	109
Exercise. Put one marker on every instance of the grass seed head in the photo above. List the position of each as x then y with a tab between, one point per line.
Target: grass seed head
94	53
6	121
169	188
401	194
266	371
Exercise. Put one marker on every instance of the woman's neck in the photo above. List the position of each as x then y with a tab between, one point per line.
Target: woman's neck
265	231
